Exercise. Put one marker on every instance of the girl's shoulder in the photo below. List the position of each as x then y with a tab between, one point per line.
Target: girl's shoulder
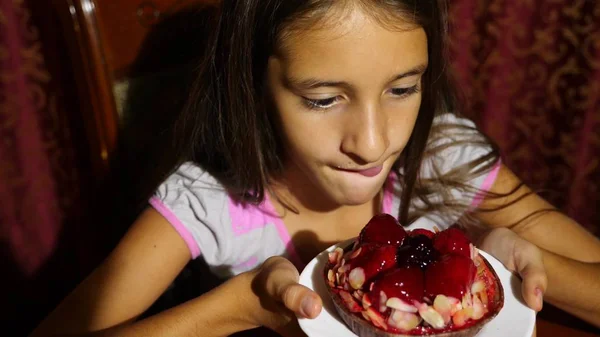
457	145
191	179
230	237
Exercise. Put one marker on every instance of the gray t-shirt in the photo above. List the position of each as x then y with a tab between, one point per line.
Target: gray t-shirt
234	238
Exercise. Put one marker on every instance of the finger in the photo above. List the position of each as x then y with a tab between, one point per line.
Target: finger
282	284
534	282
301	300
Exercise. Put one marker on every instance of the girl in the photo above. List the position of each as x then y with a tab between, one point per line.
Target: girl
308	118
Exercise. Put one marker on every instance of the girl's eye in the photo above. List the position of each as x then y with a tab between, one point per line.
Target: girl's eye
321	103
403	92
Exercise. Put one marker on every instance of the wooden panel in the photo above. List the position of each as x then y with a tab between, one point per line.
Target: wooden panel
93	78
104	39
126	23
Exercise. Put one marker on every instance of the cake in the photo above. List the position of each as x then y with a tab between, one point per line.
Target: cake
394	282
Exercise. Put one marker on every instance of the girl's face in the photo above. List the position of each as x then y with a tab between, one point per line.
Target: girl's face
347	97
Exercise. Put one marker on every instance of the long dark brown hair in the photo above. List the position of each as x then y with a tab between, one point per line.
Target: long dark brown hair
226	127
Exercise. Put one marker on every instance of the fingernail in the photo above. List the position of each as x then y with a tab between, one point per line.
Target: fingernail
307	307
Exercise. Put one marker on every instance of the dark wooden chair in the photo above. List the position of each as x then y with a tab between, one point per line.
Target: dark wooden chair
132	62
115	45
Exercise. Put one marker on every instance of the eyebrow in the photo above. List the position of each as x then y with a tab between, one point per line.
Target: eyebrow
313	83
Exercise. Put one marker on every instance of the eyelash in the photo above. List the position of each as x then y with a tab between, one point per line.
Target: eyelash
403	92
323	104
320	104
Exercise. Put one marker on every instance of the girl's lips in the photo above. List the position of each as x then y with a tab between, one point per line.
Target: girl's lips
373	171
370	172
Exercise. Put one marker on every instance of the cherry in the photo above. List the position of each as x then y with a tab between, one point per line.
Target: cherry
368	265
406	284
452	275
382	229
417	251
452	240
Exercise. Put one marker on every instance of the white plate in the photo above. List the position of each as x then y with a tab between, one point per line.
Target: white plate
515	319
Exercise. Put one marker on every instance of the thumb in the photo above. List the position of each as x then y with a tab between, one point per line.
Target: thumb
301	300
282	284
532	271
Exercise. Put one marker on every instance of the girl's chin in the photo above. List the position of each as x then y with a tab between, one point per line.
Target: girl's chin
356	197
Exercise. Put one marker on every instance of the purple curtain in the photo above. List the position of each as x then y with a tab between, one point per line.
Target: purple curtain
30	212
41	255
530	74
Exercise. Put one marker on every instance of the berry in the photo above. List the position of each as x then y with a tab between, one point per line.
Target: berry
383	229
452	240
417	251
452	275
406	284
367	266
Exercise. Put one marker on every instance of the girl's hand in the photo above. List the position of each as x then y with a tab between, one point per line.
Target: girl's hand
520	256
281	299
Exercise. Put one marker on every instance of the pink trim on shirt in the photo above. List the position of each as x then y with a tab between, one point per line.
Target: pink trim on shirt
486	185
245	218
178	225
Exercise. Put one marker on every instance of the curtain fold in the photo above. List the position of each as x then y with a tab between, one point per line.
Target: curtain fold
41	257
529	72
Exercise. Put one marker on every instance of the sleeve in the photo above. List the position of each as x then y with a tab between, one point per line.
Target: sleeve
458	152
196	206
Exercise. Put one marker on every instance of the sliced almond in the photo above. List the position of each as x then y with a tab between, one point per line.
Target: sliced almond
398	304
402	320
355	253
455	304
376	318
478	309
444	307
350	302
442	304
484	298
339	255
432	317
333	257
331	276
462	316
478	286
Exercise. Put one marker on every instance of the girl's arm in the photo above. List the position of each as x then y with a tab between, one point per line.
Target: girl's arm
140	269
571	254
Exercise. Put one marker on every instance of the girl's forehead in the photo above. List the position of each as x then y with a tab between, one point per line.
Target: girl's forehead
355	43
338	22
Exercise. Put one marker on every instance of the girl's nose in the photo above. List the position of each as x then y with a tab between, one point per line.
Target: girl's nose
365	138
